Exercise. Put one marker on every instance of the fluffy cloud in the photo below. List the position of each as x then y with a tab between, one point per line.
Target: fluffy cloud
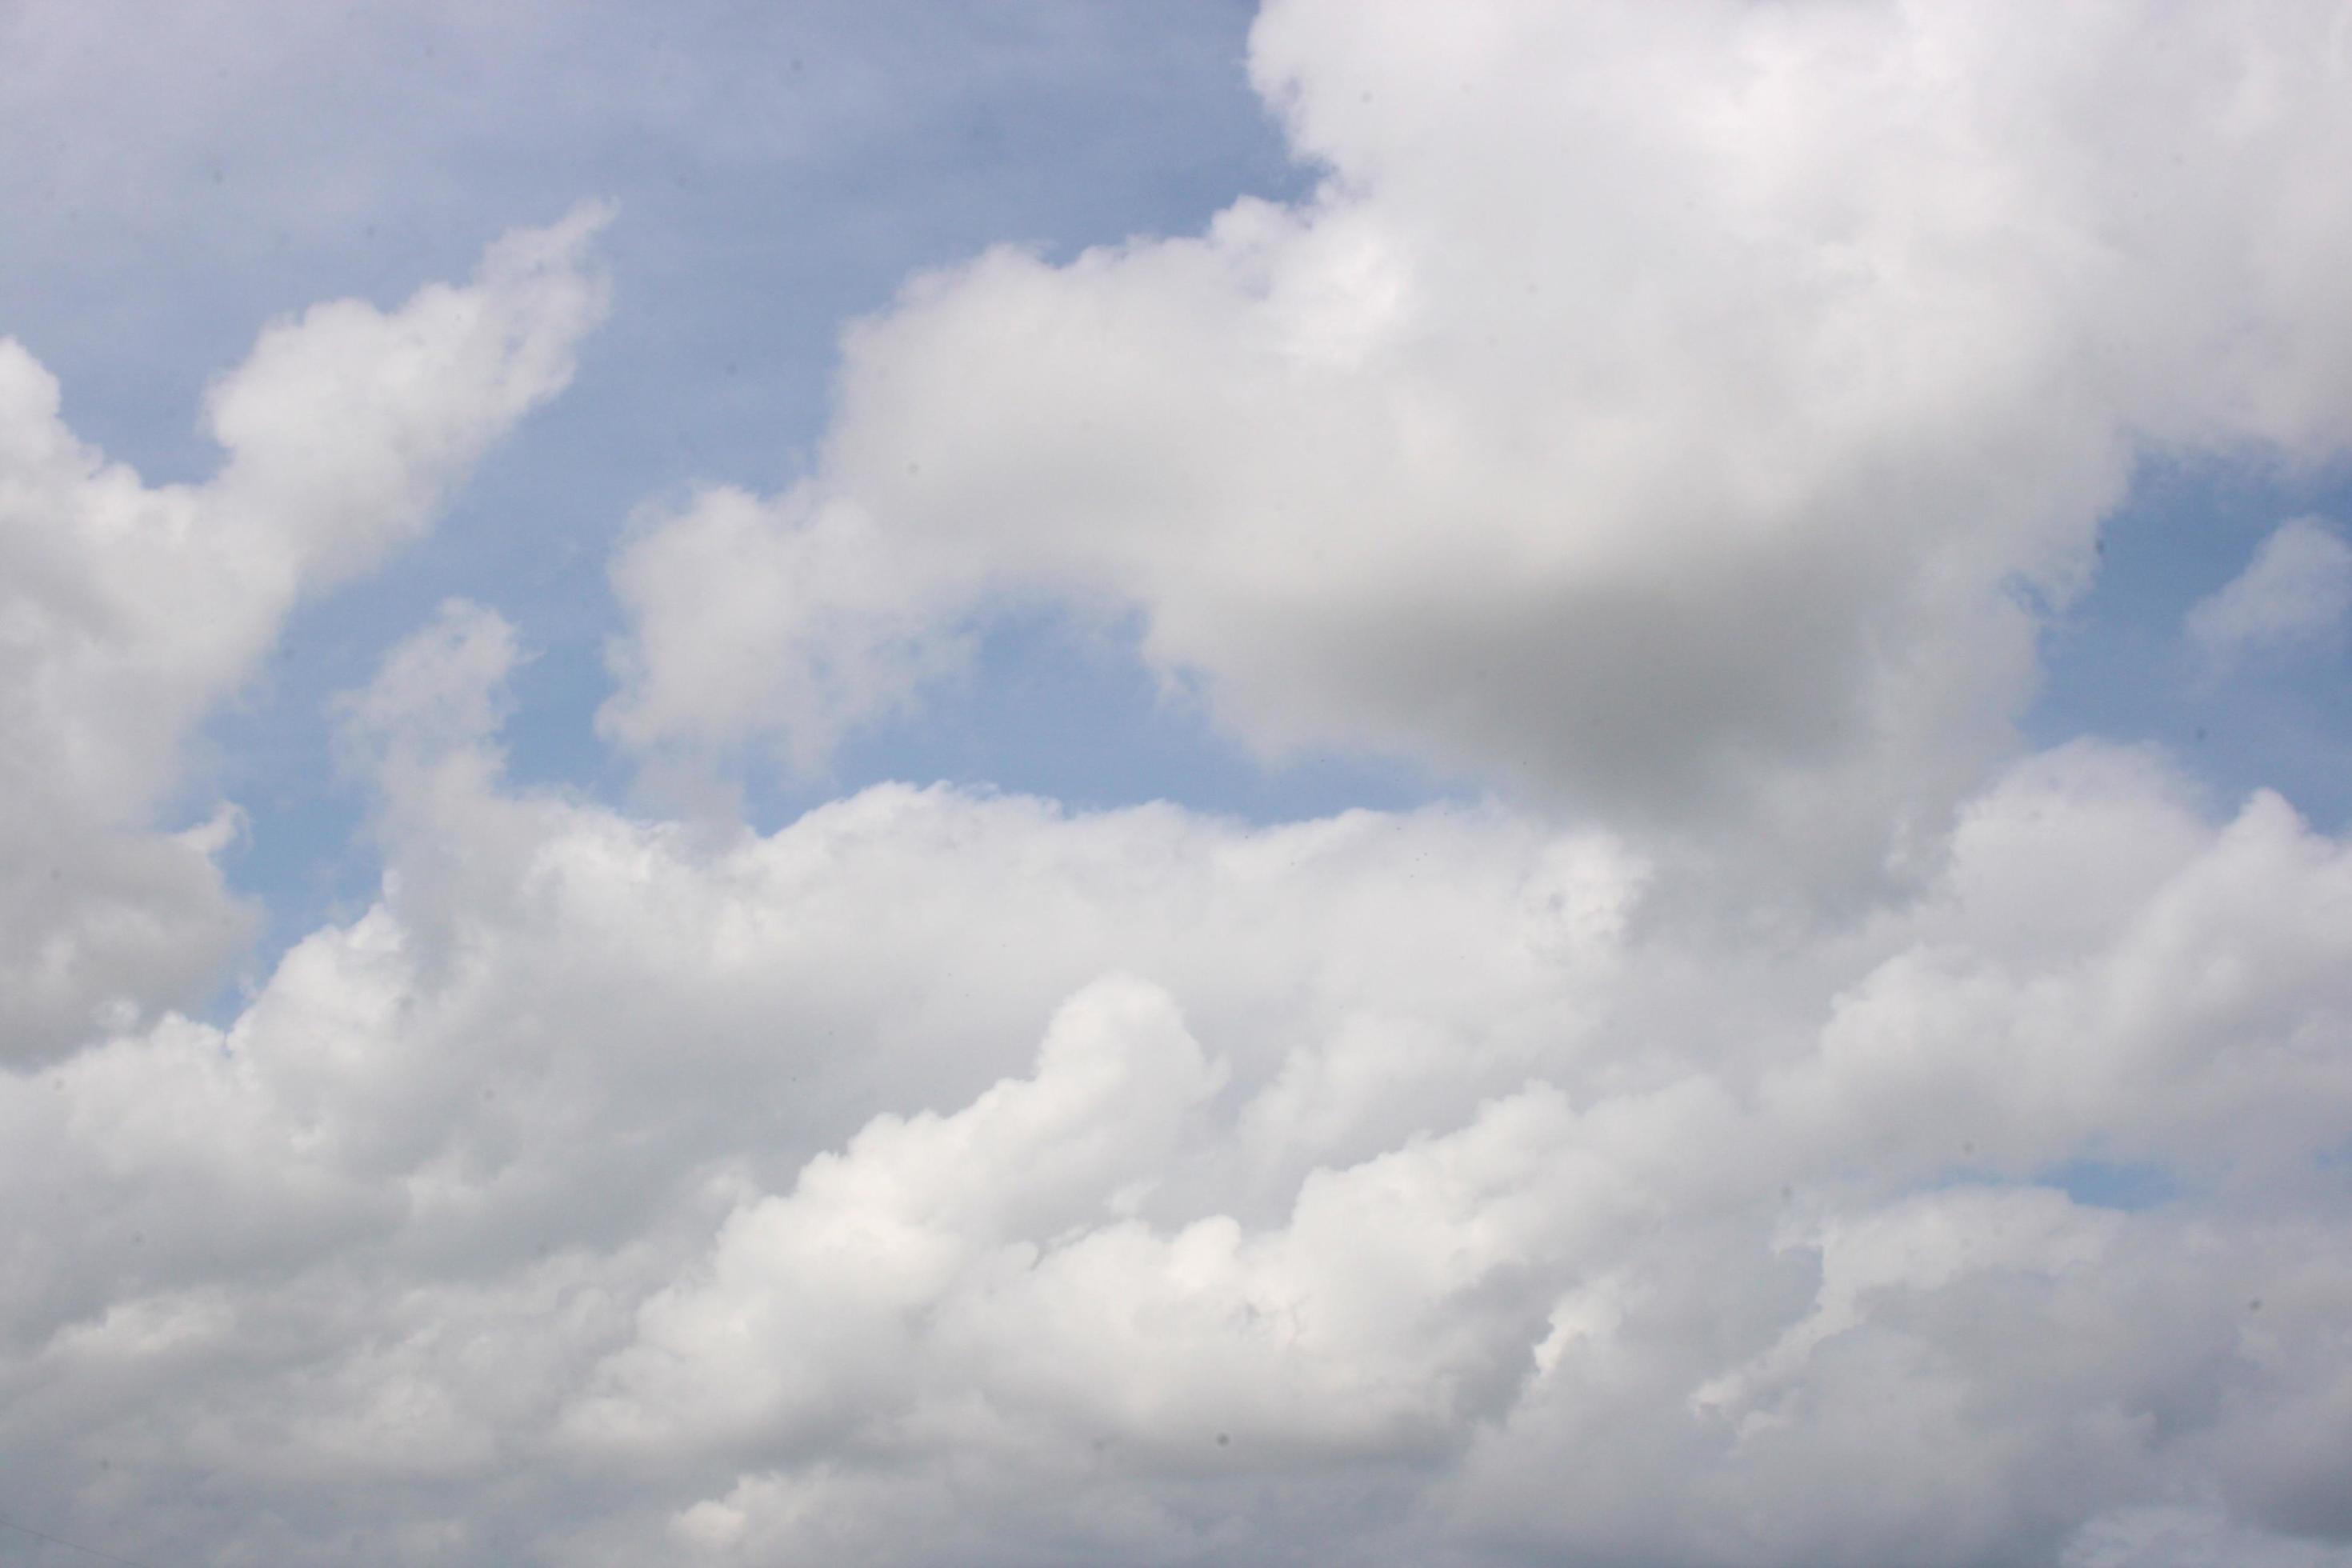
2297	590
130	610
1672	410
947	1176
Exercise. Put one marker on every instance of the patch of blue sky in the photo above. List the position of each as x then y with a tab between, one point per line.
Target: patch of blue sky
2117	663
1058	708
2126	1184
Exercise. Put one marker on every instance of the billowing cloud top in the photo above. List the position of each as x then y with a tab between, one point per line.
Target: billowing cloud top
1784	1119
1659	409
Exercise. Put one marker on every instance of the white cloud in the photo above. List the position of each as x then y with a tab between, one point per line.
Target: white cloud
2297	590
803	1323
619	1190
794	608
130	610
1660	408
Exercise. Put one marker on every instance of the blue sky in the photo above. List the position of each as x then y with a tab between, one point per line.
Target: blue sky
2116	663
1062	782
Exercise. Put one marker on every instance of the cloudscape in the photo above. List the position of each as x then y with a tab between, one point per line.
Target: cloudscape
1522	782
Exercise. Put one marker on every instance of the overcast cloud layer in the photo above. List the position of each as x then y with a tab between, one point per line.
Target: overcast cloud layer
1768	1116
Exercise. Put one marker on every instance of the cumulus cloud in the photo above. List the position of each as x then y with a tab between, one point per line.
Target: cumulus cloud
800	1325
1674	411
2297	590
1667	412
130	610
947	1176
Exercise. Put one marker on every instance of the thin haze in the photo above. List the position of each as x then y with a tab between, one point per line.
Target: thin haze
1481	784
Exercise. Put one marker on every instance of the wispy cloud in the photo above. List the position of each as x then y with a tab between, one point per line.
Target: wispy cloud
2296	593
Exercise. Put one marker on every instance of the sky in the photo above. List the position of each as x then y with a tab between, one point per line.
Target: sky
1059	784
